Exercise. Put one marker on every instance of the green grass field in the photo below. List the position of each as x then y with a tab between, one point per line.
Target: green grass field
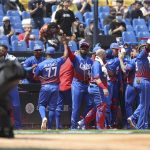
115	131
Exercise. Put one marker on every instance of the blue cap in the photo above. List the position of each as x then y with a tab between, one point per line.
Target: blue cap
128	50
37	47
96	48
50	50
109	54
114	45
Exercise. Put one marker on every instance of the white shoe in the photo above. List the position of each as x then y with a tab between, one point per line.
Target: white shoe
131	123
44	124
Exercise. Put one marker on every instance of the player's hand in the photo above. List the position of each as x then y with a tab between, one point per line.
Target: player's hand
121	28
33	66
65	39
106	93
120	55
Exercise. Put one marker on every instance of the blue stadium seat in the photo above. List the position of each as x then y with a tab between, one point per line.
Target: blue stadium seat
13	13
102	9
25	15
143	36
15	19
47	20
54	7
141	28
127	21
129	28
1	12
139	22
103	15
4	37
18	31
1	18
73	46
87	22
88	15
5	42
106	29
19	46
33	43
13	38
129	38
36	33
79	15
17	26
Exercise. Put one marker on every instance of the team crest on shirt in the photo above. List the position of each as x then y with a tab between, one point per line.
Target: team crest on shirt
85	67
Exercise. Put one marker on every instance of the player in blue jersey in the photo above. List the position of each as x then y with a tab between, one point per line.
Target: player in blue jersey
82	67
98	90
114	81
131	92
30	63
48	73
142	80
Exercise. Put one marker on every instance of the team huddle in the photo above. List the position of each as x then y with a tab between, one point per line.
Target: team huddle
98	81
102	82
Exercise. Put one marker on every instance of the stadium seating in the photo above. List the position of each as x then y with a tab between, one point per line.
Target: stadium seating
47	20
25	15
129	38
127	21
19	46
129	28
138	22
35	32
17	26
103	15
33	43
13	38
54	7
13	13
103	9
15	19
4	40
106	29
88	15
79	15
141	28
143	35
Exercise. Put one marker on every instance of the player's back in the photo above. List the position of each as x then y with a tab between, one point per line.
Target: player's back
49	70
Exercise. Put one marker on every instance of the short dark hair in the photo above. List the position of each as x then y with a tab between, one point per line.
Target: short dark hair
5	46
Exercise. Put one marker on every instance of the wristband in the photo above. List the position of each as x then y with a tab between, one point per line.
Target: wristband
102	86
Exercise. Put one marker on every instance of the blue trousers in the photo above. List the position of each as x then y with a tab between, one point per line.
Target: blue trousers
79	94
48	96
130	96
113	99
64	97
15	100
144	104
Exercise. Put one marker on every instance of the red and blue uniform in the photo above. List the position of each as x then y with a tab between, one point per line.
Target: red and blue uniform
65	97
48	72
29	62
97	94
82	68
114	78
143	82
131	92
